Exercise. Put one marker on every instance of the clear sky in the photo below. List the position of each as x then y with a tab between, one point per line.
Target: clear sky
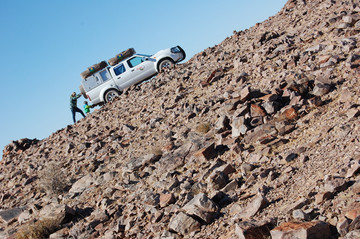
45	45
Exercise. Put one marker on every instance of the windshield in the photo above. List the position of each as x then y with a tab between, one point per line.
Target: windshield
143	55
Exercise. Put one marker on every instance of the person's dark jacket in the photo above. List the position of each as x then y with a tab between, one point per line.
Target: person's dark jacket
73	100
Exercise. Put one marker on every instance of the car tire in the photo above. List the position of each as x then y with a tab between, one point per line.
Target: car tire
111	95
167	62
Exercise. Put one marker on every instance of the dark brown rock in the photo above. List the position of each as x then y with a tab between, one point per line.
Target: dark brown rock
252	229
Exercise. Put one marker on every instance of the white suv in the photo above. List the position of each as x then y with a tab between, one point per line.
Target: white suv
103	82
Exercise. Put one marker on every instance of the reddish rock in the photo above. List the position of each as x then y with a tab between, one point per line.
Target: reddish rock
168	147
166	199
291	114
256	110
256	204
323	59
314	230
321	197
353	213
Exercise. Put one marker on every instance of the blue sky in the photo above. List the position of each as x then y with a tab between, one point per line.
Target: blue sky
45	45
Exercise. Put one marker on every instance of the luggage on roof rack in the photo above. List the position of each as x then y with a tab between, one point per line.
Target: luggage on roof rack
94	68
121	56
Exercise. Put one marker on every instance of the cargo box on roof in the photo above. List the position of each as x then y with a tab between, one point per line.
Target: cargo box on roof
93	69
121	56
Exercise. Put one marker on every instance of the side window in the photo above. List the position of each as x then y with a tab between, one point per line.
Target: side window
135	61
119	69
104	75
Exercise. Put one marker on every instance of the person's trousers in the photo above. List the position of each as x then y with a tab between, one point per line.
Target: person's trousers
74	110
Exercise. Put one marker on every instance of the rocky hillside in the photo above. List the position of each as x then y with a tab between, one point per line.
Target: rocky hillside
256	137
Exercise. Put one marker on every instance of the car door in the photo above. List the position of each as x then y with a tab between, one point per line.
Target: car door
140	69
122	76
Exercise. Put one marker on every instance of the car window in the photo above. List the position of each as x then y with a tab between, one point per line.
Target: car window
119	69
105	75
135	61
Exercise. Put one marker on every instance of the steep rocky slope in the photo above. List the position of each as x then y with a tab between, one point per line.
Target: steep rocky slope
256	137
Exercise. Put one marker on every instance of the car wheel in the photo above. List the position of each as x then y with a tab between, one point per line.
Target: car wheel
111	95
164	64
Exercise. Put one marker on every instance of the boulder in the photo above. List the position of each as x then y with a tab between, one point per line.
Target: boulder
183	224
315	230
202	207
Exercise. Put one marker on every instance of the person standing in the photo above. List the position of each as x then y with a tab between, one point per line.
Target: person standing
73	105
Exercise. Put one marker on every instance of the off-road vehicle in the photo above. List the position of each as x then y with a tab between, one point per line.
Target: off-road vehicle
104	81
